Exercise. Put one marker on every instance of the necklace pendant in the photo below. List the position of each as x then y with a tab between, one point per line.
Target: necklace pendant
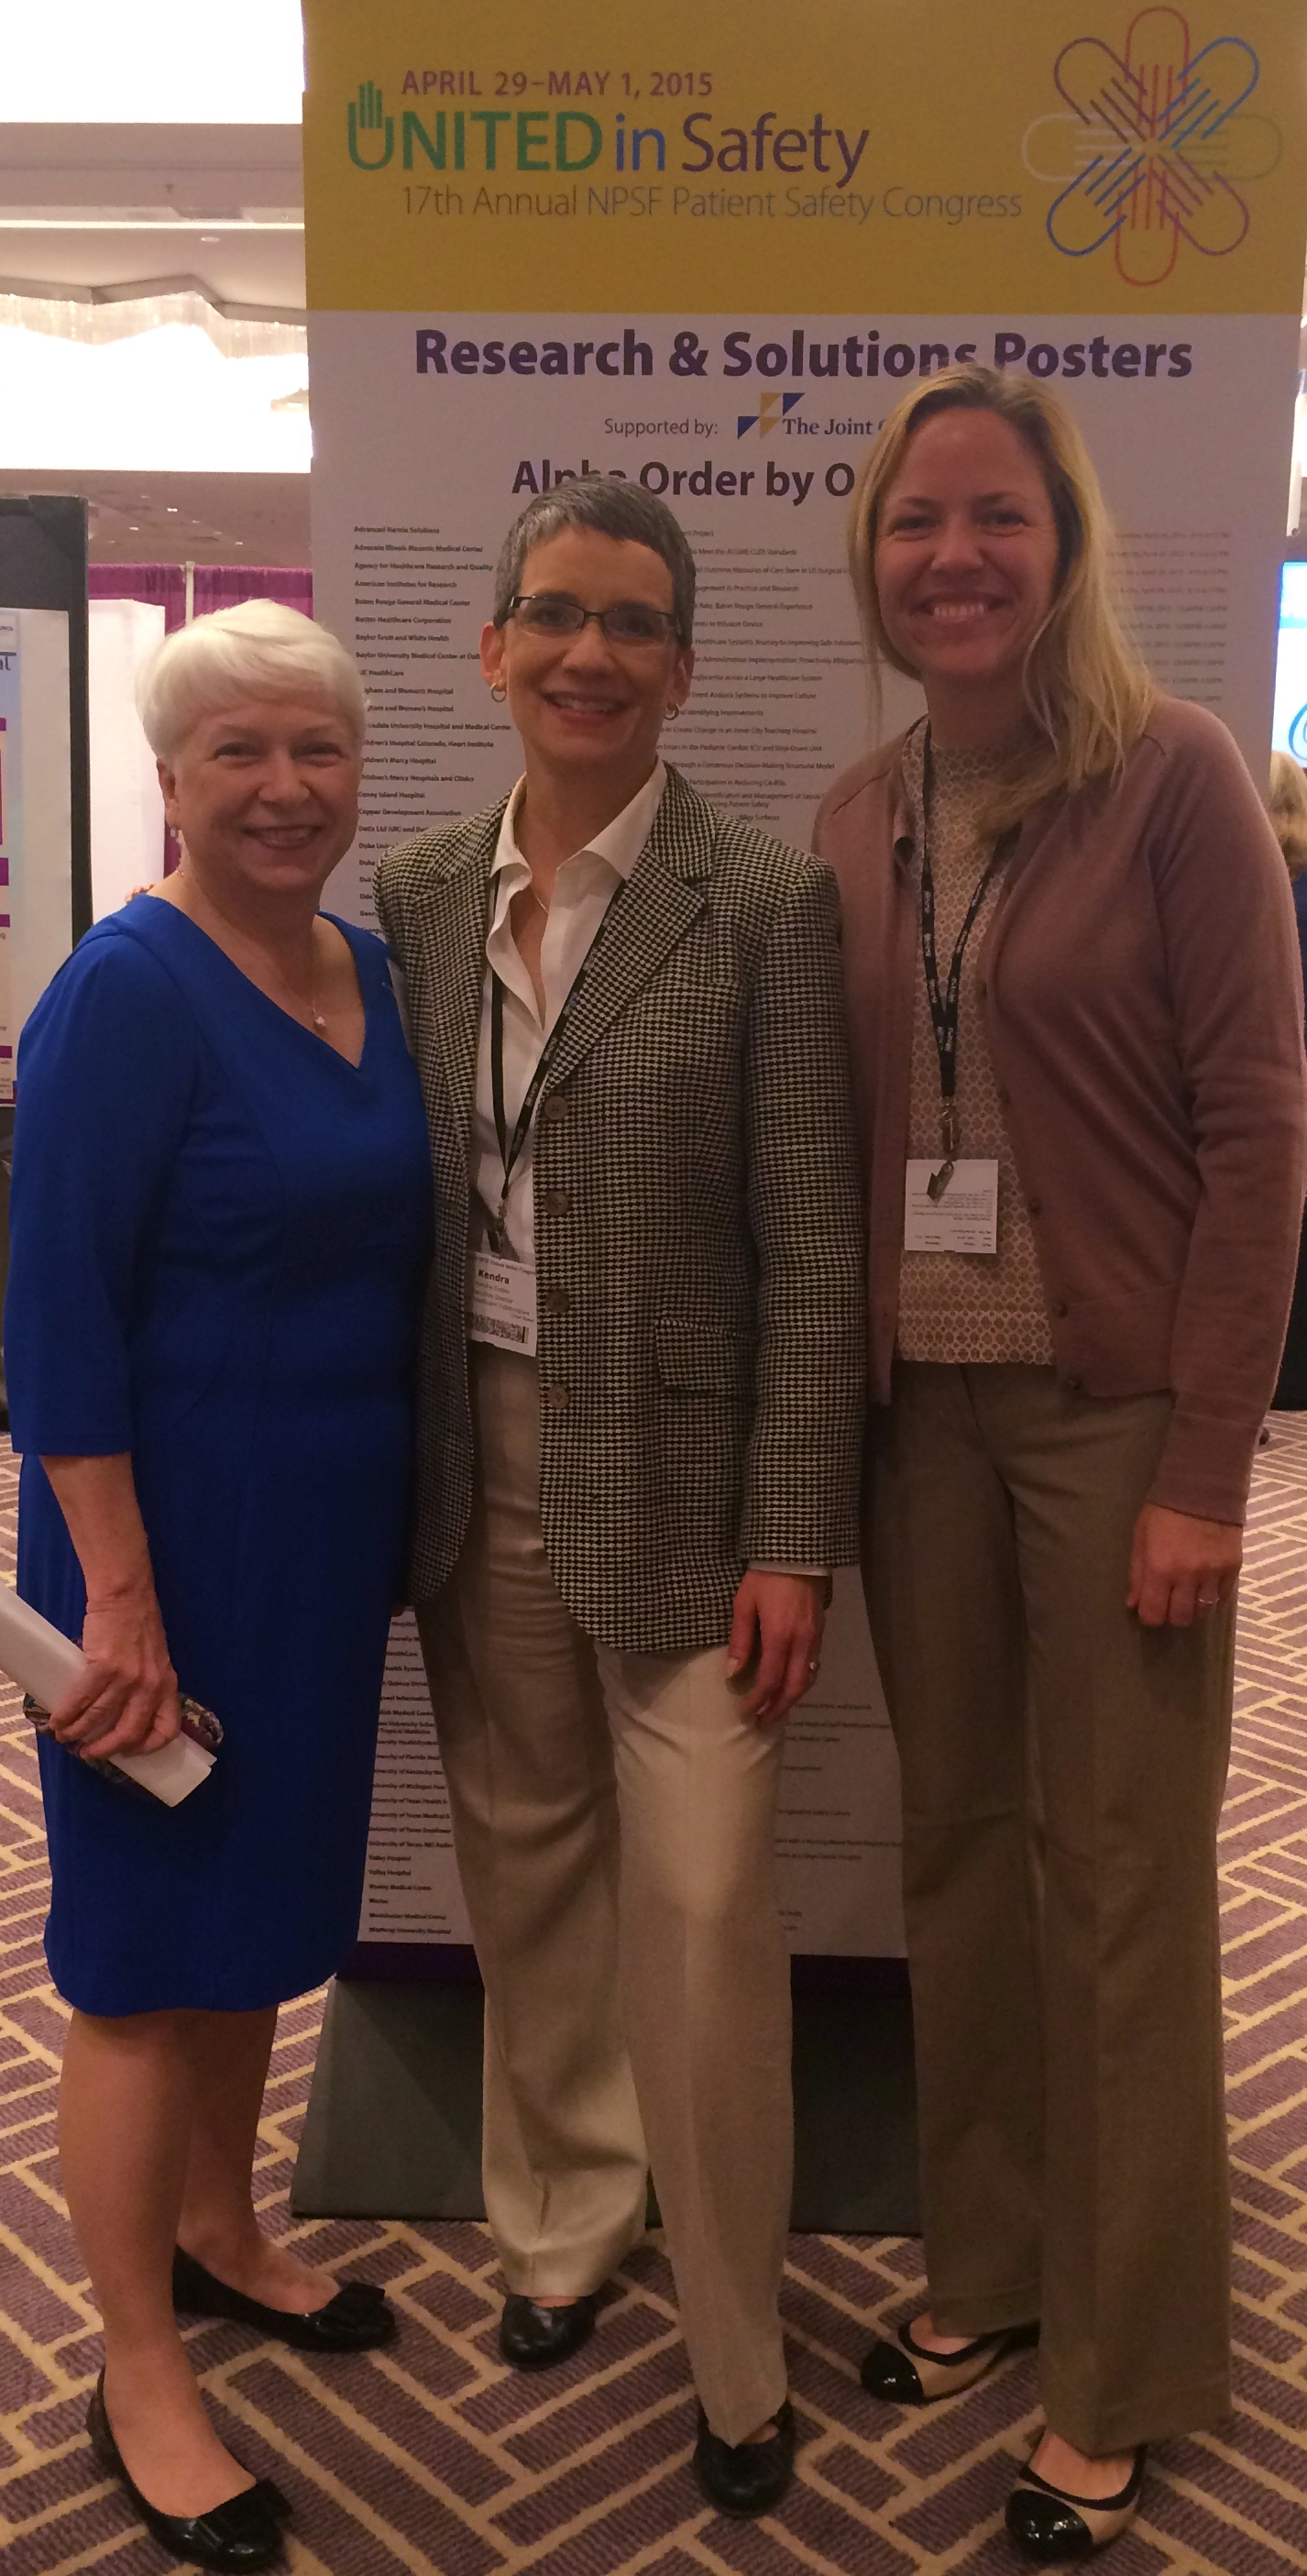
318	1020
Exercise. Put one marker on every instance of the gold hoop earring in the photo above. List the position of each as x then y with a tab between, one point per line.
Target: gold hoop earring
499	695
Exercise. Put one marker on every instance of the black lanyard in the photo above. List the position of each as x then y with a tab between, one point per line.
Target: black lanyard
944	1004
510	1147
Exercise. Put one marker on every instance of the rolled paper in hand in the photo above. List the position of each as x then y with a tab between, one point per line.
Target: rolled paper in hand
47	1665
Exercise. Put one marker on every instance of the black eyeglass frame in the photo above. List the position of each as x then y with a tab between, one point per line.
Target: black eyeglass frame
580	617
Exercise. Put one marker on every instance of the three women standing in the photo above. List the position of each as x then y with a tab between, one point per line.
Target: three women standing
1076	1019
1075	1014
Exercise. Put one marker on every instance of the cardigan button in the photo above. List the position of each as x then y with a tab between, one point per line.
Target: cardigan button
557	1397
1060	1308
557	1105
556	1301
556	1202
1034	1207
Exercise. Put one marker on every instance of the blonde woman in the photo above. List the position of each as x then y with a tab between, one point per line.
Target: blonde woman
1076	1025
1287	806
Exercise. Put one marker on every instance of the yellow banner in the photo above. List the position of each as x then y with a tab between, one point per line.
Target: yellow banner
1049	156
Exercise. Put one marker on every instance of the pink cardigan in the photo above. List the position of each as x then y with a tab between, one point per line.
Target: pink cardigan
1142	997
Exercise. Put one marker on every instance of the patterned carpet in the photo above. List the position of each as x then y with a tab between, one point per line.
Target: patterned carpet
431	2456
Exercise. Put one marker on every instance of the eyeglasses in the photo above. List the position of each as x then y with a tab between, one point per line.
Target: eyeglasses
551	612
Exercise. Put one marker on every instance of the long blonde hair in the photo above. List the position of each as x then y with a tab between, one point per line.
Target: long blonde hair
1287	807
1086	688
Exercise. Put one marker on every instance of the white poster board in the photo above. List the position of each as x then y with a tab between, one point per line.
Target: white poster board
780	703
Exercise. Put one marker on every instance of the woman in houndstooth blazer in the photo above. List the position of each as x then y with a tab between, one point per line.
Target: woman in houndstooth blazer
641	1409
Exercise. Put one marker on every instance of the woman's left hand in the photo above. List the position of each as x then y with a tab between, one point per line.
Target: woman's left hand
1181	1567
779	1619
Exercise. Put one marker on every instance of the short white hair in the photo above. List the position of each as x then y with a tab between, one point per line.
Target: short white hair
258	649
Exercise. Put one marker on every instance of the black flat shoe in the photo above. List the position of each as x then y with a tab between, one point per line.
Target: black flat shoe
901	2374
358	2318
244	2533
1049	2525
534	2338
746	2478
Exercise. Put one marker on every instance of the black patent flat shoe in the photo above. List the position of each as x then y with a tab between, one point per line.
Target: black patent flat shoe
902	2374
242	2534
534	2338
357	2319
745	2478
1053	2527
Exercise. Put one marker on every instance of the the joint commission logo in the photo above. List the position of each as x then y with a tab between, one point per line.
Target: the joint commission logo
772	408
1298	736
1152	147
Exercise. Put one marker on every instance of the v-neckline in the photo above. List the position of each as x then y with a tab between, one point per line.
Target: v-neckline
322	1046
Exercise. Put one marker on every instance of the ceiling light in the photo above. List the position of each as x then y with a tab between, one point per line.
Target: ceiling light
149	62
41	218
164	400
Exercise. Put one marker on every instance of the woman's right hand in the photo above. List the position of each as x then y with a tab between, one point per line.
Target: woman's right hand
127	1702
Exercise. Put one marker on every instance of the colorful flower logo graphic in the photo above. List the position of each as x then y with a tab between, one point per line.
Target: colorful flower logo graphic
1155	148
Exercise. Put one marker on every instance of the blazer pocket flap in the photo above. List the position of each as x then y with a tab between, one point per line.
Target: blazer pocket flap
698	1359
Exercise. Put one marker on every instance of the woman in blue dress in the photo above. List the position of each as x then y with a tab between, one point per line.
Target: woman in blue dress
221	1225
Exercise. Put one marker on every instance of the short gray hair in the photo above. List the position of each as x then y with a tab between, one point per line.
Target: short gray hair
258	649
613	509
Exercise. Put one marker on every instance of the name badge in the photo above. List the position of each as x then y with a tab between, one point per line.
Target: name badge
501	1302
951	1208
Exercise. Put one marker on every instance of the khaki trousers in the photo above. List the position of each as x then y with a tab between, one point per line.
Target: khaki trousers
614	1821
1063	1769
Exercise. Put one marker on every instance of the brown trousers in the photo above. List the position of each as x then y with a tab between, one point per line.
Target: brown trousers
1063	1769
614	1820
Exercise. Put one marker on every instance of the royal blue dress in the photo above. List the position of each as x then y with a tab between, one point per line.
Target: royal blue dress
220	1233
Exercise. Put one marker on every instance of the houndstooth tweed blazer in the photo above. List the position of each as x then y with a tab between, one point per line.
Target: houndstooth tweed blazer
697	1225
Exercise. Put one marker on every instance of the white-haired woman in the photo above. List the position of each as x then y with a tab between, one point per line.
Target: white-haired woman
1077	1044
221	1221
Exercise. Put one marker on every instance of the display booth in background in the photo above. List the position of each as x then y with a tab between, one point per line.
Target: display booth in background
45	859
707	251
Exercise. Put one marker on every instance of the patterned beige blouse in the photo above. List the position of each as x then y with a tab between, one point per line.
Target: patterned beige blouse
965	1307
